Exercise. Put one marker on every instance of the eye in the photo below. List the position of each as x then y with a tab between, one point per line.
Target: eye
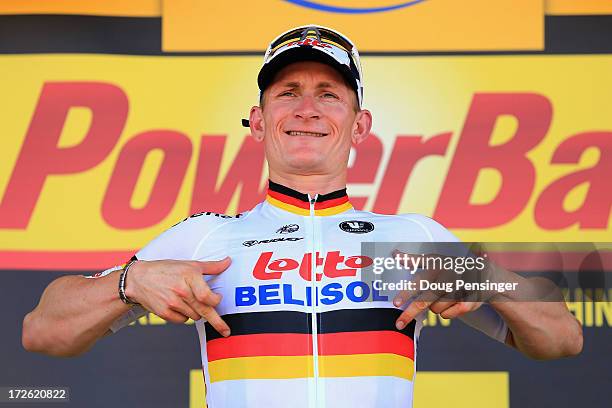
330	95
287	93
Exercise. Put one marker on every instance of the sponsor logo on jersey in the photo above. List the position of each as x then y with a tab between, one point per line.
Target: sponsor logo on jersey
356	227
335	265
268	241
215	215
288	229
288	294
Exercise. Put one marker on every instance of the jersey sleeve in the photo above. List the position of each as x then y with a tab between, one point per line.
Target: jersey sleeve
179	242
433	231
419	234
485	318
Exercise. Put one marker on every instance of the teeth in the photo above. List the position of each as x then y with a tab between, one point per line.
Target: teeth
296	133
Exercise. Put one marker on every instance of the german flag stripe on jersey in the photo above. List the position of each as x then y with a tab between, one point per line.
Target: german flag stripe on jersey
351	342
335	321
295	344
298	203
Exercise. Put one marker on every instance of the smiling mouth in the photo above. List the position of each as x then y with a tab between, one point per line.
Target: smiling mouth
303	133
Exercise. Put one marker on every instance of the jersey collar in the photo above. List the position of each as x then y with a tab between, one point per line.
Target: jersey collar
295	202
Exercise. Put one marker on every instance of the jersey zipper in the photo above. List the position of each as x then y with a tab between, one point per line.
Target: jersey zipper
313	288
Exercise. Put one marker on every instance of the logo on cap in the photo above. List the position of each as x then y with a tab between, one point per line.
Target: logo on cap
310	41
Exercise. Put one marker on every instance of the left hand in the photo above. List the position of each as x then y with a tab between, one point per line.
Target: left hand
446	309
436	301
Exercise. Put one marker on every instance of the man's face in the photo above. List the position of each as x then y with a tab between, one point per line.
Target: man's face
309	120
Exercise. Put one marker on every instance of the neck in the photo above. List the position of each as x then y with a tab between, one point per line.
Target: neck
310	184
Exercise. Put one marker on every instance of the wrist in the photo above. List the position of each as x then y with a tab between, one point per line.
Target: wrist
131	282
127	283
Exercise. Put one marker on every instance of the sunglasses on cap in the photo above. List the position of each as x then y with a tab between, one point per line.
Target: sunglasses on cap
312	43
318	33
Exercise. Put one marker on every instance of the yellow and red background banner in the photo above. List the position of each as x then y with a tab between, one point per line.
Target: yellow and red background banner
105	152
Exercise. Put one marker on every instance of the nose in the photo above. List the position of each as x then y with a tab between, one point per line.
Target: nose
307	108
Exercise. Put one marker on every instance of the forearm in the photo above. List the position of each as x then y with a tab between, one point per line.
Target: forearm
541	329
73	313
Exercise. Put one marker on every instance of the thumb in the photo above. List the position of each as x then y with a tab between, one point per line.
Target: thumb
214	267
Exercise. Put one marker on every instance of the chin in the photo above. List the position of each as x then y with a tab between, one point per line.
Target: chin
306	160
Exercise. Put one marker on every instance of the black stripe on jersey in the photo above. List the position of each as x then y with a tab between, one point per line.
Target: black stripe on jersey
263	322
346	320
350	320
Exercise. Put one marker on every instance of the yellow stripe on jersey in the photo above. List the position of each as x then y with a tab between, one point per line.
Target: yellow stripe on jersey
261	367
286	367
334	210
361	365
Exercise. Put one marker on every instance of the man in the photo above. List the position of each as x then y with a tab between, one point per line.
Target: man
287	320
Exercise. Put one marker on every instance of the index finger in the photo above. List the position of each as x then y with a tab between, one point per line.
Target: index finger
216	321
418	305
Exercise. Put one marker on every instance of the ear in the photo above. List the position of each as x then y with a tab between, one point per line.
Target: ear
256	123
361	126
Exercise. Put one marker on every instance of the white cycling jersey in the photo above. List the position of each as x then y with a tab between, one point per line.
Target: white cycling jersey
298	338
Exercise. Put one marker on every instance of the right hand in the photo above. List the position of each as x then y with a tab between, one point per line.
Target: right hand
176	291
